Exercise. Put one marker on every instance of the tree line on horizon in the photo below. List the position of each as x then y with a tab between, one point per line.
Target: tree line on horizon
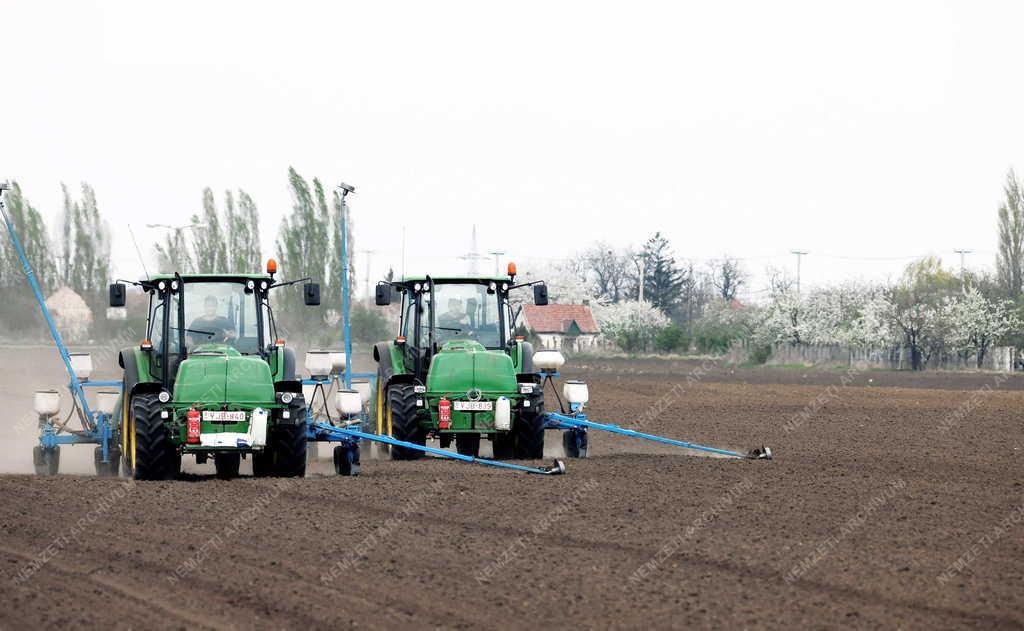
218	238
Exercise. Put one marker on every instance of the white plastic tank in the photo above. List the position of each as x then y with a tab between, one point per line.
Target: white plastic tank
503	414
348	402
46	402
319	363
106	401
548	360
258	427
362	386
81	363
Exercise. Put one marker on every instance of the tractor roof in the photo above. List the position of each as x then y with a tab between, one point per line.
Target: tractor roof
457	279
212	277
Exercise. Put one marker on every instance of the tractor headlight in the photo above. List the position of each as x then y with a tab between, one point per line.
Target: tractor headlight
417	287
576	392
161	285
164	396
264	285
287	397
174	285
250	285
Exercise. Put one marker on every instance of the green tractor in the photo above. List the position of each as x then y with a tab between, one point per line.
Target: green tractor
211	379
457	371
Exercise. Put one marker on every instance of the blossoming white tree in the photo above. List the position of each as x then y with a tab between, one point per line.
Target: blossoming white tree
632	325
975	323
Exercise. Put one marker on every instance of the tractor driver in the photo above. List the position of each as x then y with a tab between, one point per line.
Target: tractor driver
454	321
210	327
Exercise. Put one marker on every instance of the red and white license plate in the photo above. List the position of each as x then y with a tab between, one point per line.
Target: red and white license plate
474	406
224	417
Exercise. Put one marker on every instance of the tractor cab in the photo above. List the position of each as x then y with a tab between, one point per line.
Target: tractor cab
446	312
208	313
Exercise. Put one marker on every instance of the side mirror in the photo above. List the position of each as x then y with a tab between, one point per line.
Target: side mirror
117	295
311	294
540	295
383	295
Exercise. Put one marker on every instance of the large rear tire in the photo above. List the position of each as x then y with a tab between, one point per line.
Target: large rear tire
528	430
155	457
404	420
380	414
287	450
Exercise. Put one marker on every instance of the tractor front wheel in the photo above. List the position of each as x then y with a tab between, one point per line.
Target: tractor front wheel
227	464
503	446
468	444
285	453
154	455
404	421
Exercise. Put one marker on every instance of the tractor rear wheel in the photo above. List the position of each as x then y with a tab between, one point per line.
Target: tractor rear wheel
46	460
468	444
403	417
286	451
528	431
380	414
154	458
227	464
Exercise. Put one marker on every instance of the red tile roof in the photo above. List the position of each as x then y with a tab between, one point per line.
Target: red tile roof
559	318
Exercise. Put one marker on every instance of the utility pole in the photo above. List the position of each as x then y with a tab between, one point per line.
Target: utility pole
497	261
799	255
962	253
345	190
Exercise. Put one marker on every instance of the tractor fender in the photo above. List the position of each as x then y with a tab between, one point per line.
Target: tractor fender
128	359
526	357
289	364
402	378
389	357
288	385
145	387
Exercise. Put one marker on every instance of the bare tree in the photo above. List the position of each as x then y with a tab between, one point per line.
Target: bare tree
728	276
779	281
609	269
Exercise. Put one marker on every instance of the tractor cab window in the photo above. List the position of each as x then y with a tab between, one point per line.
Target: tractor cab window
222	313
161	311
466	311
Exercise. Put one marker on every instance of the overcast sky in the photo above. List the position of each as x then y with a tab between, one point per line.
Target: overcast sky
874	130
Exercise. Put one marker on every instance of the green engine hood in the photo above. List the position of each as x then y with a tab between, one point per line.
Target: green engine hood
218	373
462	365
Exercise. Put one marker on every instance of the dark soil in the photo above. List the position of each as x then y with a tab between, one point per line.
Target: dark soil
873	494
